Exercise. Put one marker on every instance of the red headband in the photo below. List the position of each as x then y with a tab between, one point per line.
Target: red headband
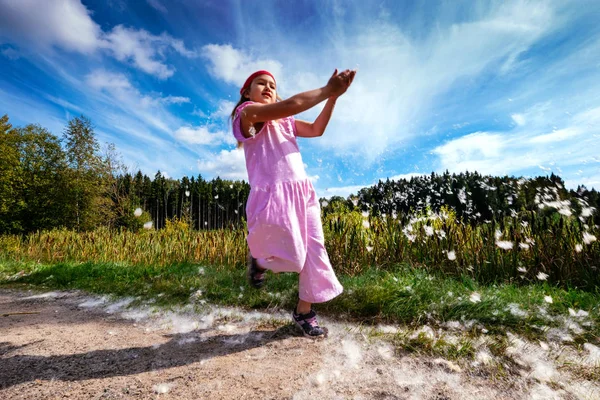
254	75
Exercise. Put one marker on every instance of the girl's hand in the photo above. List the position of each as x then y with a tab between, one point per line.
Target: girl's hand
339	83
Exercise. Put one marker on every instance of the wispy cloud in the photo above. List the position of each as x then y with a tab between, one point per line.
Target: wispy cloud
24	108
120	93
10	53
143	49
175	100
390	104
156	4
63	103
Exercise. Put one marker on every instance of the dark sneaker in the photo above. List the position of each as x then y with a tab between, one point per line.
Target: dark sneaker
308	323
256	275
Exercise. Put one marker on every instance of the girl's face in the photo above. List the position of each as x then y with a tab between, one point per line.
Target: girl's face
263	90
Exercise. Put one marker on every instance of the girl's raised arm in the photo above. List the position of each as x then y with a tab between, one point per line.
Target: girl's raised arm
308	130
296	104
315	129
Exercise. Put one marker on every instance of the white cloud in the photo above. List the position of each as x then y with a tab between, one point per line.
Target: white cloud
529	147
343	191
149	101
540	115
67	24
63	23
200	113
234	66
592	182
228	164
101	79
138	124
557	136
203	136
519	119
131	45
475	146
386	104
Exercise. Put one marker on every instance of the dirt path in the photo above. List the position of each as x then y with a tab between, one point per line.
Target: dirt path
83	347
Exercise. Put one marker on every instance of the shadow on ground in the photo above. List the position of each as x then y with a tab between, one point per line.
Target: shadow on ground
181	349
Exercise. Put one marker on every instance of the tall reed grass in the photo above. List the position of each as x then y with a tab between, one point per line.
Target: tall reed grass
174	244
522	248
513	248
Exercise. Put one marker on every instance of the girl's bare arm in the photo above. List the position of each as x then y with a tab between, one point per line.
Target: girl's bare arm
315	129
301	102
306	129
296	104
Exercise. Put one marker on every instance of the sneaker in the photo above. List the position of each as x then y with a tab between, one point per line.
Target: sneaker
308	323
255	274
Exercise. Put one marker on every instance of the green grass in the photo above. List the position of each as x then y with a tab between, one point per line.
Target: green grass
403	294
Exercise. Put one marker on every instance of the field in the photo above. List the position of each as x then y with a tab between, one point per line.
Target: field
470	298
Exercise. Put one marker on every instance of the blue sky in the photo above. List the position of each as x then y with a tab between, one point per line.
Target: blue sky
501	87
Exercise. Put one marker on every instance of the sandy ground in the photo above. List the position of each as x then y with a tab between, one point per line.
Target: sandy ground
84	347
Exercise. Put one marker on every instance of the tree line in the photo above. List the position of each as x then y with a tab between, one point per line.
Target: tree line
475	198
48	182
70	182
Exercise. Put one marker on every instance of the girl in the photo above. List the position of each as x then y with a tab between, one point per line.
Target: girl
283	213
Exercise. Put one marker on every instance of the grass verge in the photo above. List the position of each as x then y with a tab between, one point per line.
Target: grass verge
404	295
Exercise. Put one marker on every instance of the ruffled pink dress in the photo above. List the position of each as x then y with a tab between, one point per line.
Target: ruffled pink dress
285	232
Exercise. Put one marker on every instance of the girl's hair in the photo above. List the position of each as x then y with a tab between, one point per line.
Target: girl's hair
242	100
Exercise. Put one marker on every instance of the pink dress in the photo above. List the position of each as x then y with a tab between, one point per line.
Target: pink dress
285	232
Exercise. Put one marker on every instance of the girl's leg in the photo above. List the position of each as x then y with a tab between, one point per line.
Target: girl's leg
303	307
317	281
254	272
